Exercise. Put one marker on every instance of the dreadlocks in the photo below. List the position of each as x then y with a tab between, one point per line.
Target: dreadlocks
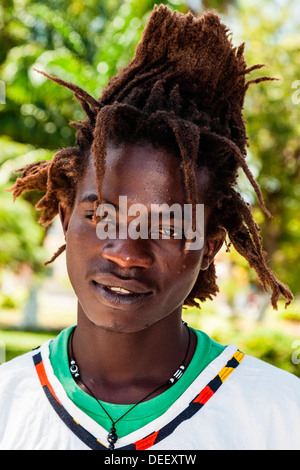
184	89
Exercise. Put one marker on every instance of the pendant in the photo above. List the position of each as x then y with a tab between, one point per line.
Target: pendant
74	369
112	438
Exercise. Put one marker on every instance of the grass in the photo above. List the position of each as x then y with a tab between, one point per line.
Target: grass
18	342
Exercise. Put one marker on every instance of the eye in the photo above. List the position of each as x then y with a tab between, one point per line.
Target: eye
107	220
164	233
107	224
89	215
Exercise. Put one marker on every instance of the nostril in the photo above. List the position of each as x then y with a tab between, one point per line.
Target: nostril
127	253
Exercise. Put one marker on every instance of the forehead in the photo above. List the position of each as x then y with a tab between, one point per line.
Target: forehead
142	173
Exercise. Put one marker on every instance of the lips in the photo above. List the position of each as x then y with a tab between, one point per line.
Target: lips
120	285
119	291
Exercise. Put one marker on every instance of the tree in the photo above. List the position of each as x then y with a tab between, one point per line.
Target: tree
273	127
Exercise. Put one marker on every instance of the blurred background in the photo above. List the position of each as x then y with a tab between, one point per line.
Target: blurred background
86	43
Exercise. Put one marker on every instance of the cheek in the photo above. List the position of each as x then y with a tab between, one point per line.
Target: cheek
81	241
189	263
182	276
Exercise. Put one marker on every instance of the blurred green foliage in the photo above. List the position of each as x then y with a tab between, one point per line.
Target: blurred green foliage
272	346
20	342
274	341
18	233
271	31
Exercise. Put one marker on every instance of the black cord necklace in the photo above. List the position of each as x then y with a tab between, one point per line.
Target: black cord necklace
112	436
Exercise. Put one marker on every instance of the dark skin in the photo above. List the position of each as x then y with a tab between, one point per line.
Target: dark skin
126	346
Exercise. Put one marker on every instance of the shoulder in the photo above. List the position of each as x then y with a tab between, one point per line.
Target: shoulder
269	400
263	386
259	404
21	402
16	370
18	380
268	379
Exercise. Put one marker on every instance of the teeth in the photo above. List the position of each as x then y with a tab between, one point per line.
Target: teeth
120	290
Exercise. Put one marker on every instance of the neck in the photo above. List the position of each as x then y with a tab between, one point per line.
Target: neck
122	367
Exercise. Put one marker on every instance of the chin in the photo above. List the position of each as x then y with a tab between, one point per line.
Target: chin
115	321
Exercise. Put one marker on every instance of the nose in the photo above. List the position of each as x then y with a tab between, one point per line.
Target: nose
127	253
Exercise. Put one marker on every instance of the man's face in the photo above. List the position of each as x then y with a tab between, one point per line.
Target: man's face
129	284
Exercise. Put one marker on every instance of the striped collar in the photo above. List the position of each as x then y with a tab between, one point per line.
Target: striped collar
94	436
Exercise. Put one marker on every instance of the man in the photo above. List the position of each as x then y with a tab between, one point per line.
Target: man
168	131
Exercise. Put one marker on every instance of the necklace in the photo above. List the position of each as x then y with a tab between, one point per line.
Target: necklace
112	437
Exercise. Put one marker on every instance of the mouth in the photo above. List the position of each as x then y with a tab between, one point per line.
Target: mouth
118	294
120	290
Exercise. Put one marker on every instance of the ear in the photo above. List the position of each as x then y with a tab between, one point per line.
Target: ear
213	245
65	213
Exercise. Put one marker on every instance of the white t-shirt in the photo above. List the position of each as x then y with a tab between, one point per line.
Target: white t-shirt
237	403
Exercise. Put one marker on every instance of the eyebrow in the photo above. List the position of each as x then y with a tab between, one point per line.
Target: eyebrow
91	197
